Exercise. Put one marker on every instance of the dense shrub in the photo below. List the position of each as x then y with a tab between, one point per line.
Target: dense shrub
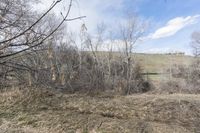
186	79
70	70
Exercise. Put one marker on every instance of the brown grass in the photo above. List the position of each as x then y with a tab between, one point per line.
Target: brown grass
35	111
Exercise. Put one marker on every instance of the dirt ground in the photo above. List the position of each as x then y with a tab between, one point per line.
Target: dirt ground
42	111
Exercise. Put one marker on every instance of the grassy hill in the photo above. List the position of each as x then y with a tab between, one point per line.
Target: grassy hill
157	63
160	63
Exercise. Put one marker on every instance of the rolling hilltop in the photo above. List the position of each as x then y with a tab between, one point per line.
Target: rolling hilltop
157	63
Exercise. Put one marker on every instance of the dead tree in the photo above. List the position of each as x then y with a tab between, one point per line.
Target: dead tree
19	39
131	31
196	43
93	45
21	32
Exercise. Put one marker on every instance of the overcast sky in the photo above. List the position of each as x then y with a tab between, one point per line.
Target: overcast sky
171	22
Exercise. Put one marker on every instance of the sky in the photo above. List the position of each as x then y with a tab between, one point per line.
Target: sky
170	22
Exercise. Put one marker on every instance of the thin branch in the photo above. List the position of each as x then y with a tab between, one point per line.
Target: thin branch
81	17
33	23
41	42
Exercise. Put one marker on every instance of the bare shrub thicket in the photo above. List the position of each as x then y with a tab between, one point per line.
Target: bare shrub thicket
87	71
193	78
24	33
90	76
193	73
36	51
185	79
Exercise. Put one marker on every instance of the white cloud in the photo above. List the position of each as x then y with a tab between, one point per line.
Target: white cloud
96	11
173	26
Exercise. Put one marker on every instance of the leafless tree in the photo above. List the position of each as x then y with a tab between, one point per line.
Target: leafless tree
23	32
196	43
17	36
37	50
93	44
131	31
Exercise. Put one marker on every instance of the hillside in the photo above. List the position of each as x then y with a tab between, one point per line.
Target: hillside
160	63
157	63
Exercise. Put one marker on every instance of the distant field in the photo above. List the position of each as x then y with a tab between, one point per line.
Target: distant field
157	63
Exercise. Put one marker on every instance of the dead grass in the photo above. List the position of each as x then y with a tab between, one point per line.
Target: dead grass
36	111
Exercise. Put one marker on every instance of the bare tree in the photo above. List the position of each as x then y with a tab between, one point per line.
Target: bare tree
196	43
23	32
131	31
17	36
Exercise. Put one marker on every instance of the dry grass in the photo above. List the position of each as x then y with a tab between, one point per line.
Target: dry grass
41	111
157	63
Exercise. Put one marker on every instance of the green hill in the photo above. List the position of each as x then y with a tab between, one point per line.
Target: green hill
157	63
